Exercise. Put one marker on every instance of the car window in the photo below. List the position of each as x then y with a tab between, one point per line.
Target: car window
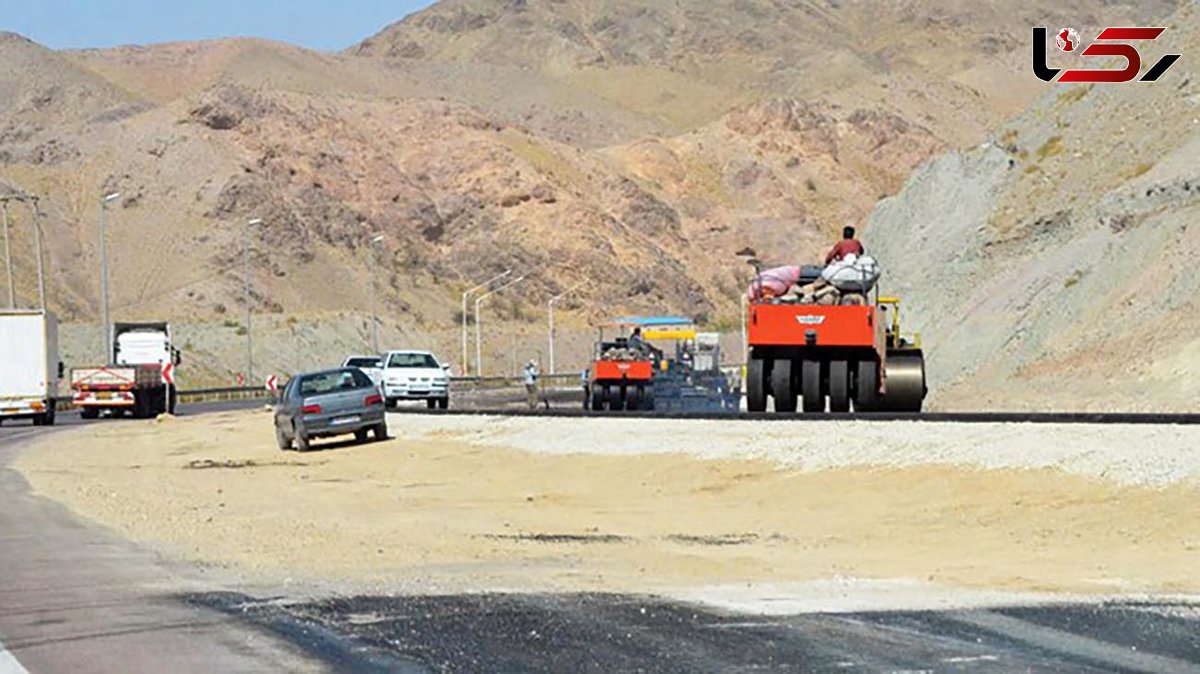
363	362
333	382
412	360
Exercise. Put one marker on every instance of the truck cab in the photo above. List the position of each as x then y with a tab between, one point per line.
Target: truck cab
134	380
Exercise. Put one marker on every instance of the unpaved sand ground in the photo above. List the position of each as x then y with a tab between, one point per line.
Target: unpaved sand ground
477	503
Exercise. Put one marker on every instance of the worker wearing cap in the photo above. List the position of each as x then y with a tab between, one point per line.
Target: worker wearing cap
847	246
530	378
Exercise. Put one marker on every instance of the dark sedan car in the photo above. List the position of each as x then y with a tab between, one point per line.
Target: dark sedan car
326	404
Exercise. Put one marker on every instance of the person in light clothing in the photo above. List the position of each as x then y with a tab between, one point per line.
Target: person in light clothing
530	378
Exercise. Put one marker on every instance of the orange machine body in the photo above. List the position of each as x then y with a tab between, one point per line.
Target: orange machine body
617	370
815	326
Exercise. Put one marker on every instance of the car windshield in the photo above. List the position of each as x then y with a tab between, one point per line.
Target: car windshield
412	360
332	382
365	361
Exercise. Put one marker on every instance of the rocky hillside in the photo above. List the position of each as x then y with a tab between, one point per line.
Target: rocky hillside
632	149
1060	257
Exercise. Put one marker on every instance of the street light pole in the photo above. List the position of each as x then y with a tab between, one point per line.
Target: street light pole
374	293
107	327
550	311
246	283
12	291
37	244
479	329
465	358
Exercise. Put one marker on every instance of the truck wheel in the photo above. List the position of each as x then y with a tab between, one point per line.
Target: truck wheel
444	403
431	403
89	413
839	386
39	420
782	386
281	439
390	403
51	414
810	386
380	431
174	399
756	385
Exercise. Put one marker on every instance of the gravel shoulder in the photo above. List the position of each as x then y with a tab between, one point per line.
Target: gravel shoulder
679	508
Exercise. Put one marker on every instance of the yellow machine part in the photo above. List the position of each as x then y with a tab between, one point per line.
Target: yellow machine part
669	333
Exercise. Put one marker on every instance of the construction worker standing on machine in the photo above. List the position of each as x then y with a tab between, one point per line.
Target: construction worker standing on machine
530	378
847	246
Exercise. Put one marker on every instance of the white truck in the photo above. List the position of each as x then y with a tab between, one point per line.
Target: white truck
135	380
29	366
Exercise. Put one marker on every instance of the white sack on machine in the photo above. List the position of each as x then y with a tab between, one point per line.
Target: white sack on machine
856	274
774	282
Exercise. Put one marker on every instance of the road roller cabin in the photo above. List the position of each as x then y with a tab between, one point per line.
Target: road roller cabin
834	358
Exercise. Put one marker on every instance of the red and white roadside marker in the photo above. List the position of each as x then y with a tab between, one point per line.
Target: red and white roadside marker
273	384
168	374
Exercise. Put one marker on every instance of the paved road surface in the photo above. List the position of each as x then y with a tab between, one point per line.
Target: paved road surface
611	633
75	597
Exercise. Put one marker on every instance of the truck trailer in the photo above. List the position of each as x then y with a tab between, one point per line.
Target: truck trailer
134	381
29	365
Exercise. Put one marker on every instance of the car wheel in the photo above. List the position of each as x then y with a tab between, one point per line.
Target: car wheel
281	439
361	436
302	443
444	403
380	430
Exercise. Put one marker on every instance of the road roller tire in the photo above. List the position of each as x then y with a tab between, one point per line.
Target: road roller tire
866	386
756	385
810	386
905	381
839	386
597	398
782	386
633	398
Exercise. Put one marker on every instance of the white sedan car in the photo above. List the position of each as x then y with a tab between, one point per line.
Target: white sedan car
415	375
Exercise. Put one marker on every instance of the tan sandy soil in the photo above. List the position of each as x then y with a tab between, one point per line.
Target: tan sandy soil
437	510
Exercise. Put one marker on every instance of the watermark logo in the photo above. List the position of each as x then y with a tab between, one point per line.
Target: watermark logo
1067	40
1110	42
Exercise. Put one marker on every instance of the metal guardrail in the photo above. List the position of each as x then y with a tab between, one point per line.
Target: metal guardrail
462	384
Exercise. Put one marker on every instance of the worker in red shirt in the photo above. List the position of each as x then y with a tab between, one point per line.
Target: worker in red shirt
847	246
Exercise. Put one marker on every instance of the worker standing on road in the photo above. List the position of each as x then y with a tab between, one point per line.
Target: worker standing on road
847	246
586	380
530	377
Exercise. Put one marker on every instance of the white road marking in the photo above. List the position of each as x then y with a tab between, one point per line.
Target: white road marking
971	658
9	663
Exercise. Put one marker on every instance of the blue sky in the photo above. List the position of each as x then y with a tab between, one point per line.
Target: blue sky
318	24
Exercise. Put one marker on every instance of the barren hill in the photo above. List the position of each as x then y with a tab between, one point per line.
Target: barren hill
637	157
1062	254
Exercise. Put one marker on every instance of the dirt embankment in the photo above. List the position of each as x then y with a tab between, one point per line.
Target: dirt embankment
535	504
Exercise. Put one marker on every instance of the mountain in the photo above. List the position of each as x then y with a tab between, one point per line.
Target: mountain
633	149
1061	254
